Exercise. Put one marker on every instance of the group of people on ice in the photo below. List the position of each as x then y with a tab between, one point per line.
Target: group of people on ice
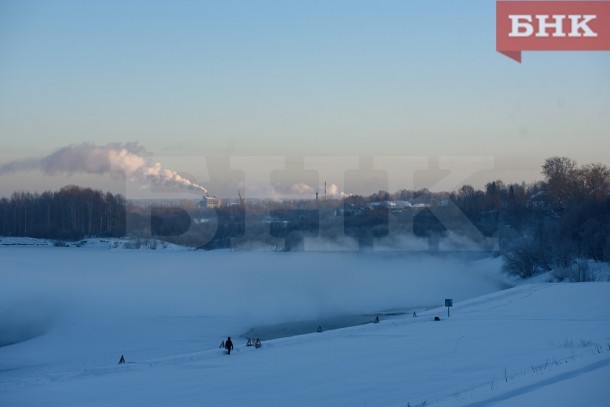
228	344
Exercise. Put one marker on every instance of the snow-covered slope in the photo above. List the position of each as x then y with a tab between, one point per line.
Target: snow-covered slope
520	345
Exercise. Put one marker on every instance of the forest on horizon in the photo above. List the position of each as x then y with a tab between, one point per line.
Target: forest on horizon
539	226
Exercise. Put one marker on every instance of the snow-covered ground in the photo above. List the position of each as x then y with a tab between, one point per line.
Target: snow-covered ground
99	243
67	314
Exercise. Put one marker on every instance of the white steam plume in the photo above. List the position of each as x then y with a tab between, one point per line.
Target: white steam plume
333	190
129	160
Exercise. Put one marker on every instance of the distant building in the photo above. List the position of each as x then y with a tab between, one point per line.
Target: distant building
396	205
539	201
210	202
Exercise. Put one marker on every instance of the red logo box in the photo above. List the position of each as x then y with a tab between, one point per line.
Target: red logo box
552	26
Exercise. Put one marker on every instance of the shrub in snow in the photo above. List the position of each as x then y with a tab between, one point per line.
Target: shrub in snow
583	270
524	258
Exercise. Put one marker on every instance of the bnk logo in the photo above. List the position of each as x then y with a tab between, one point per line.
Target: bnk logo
552	26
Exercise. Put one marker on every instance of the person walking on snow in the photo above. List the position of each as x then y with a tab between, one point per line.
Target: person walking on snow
228	345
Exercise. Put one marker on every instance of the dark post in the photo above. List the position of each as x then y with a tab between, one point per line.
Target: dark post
448	304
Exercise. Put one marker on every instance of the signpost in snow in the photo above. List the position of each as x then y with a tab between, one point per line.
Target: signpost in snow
448	304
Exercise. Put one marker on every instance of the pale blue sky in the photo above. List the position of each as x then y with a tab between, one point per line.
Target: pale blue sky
356	78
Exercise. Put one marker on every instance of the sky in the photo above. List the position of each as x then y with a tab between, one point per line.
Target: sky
220	91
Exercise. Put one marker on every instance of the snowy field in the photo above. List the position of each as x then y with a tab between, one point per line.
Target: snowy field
67	314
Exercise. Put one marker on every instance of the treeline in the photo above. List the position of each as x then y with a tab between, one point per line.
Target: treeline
539	226
566	219
550	224
70	213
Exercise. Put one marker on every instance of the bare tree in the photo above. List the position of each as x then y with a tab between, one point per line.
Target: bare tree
561	178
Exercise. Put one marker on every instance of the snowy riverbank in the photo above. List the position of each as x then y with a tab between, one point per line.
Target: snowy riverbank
166	311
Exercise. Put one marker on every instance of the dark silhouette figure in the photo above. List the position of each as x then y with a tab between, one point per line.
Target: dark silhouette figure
229	345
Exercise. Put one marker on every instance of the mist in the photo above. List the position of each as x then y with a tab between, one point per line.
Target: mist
78	286
70	307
